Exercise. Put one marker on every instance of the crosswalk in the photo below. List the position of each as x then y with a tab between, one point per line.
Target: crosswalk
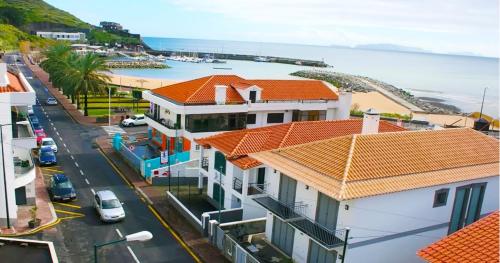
114	129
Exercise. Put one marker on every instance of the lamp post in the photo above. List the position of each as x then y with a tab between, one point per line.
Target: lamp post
4	175
139	236
109	106
220	193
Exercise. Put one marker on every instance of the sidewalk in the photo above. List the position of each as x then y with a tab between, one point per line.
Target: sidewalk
157	196
45	211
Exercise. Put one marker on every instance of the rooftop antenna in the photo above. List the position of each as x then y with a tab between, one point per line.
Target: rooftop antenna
482	104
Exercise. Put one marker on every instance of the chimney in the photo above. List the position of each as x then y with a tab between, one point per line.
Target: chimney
371	120
4	80
220	94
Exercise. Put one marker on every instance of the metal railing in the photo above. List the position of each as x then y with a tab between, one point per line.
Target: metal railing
165	122
237	185
21	167
204	163
256	189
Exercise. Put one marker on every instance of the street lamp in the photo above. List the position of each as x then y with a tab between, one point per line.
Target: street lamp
139	236
4	175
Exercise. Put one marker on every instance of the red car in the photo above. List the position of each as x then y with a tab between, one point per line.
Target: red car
39	136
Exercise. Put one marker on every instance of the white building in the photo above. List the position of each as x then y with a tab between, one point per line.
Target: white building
225	158
79	36
17	176
396	192
206	106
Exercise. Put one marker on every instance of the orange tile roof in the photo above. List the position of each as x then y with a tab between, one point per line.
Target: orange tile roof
15	84
236	145
355	166
202	90
477	242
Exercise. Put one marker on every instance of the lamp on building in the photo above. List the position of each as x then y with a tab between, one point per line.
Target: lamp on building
139	236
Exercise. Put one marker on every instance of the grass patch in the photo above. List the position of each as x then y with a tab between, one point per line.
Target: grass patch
104	112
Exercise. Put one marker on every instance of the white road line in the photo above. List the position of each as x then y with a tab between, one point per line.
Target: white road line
72	157
65	145
52	124
87	181
67	150
133	255
60	138
119	233
92	190
57	132
81	172
77	164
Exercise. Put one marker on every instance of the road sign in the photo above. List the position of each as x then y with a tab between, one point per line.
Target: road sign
164	157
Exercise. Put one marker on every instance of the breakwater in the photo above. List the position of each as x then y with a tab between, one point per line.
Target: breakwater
136	64
219	56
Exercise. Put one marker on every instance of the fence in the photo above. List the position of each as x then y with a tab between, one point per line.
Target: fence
134	161
228	215
191	218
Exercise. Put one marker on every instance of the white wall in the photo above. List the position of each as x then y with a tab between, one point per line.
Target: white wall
7	161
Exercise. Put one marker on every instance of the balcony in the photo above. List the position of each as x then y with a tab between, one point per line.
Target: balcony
204	163
256	189
294	215
167	127
237	185
24	171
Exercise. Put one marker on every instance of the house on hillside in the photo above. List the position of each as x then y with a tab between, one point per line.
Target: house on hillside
477	242
234	177
385	194
17	185
206	106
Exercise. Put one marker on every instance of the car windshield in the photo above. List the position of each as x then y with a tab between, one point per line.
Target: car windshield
48	142
133	117
47	154
64	185
109	204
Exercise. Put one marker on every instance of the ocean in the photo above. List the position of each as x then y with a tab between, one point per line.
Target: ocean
457	80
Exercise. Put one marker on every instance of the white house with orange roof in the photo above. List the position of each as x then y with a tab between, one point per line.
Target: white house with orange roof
17	178
206	106
234	177
386	194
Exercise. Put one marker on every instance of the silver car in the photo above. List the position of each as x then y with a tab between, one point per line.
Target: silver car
108	206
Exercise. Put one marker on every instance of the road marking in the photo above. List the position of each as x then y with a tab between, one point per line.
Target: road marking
68	205
92	190
119	233
52	170
65	145
77	164
87	181
81	172
57	133
72	157
69	212
67	150
51	123
174	234
133	255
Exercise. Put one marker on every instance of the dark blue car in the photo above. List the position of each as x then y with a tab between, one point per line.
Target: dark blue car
46	156
61	188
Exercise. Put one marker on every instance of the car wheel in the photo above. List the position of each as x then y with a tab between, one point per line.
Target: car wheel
131	125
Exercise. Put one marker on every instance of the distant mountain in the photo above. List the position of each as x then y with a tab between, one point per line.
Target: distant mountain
392	47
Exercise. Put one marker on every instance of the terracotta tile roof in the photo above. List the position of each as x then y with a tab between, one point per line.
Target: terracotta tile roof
15	84
202	90
355	166
477	242
236	145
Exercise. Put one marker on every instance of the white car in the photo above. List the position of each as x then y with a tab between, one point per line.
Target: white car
108	206
30	110
51	101
49	142
135	120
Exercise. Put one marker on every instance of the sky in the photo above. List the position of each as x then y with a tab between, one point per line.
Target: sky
443	26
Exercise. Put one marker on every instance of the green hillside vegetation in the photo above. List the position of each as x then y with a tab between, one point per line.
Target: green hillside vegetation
11	37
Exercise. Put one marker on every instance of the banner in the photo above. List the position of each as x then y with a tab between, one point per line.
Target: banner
163	157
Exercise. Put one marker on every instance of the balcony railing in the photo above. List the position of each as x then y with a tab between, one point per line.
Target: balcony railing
237	185
256	189
204	163
294	214
23	164
165	122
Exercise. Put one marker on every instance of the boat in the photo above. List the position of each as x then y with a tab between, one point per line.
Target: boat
261	59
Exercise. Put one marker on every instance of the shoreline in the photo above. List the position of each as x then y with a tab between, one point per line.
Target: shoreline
139	82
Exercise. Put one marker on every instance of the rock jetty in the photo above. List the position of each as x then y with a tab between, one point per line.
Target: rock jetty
136	64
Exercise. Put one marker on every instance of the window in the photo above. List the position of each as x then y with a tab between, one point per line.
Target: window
440	197
197	147
215	122
253	96
220	162
251	118
467	206
275	117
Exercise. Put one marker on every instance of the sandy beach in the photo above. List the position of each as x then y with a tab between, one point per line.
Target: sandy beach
146	83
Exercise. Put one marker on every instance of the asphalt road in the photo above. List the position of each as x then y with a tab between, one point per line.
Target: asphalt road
89	171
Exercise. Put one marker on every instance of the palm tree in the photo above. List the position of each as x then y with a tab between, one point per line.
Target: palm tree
55	62
86	75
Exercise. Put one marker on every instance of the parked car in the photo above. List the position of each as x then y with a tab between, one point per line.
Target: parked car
46	156
61	188
30	110
40	135
49	142
37	128
34	119
135	120
108	206
51	101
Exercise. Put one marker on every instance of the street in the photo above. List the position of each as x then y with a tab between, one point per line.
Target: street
89	171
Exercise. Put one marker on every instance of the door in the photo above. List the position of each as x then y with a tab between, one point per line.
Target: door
21	196
318	254
327	211
253	96
218	194
261	177
283	236
287	190
467	206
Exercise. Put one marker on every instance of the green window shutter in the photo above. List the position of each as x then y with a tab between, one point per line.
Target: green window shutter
220	162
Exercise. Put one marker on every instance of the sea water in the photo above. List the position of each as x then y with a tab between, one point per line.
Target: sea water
457	80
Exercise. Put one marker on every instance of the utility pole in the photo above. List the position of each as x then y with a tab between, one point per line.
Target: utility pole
220	194
482	103
347	229
5	176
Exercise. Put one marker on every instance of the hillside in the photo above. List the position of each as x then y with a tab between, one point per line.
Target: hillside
10	37
36	15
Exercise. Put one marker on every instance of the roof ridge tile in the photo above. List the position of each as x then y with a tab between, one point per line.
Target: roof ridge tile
343	185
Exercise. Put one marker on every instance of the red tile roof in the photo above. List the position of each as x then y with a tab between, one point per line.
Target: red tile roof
202	90
15	84
237	144
477	242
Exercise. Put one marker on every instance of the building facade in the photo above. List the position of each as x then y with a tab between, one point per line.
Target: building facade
17	176
395	192
79	36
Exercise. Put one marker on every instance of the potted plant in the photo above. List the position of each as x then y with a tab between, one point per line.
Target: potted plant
34	222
